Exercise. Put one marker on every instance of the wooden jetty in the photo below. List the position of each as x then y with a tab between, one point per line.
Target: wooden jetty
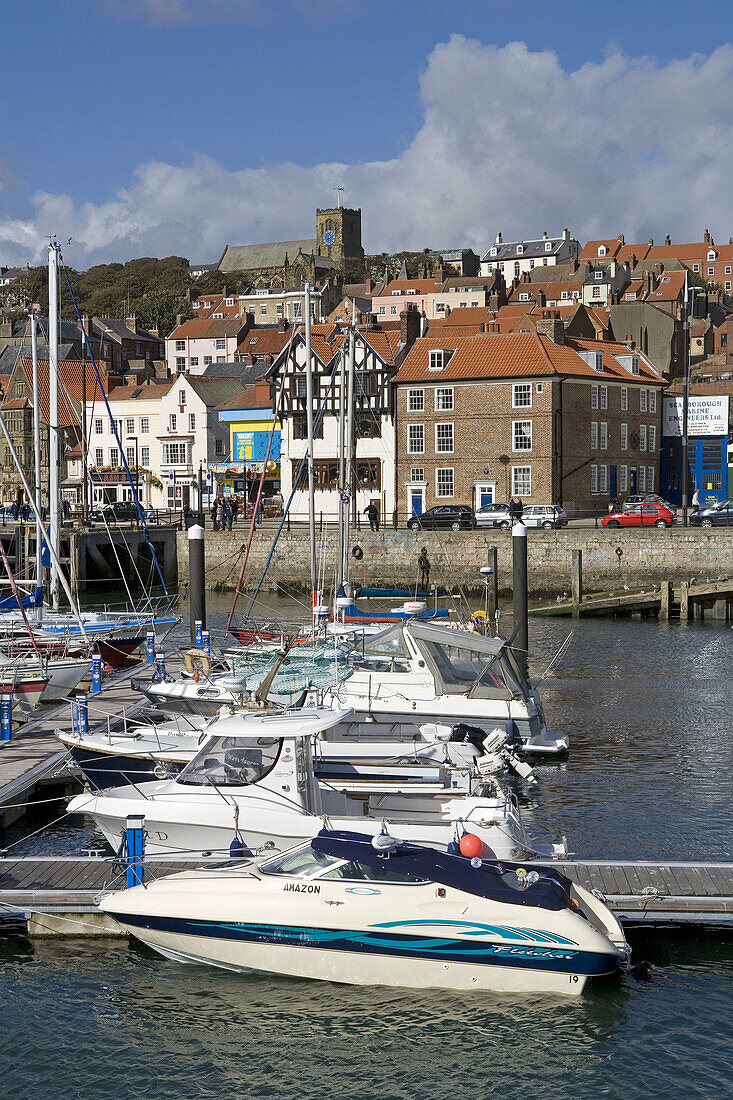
687	601
34	760
55	895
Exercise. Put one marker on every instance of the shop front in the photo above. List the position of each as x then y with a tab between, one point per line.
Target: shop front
709	436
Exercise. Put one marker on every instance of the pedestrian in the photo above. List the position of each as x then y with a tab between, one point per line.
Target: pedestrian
228	513
696	501
235	508
14	509
260	512
372	514
423	564
214	518
516	510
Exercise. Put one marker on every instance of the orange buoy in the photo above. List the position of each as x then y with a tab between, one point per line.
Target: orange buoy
470	845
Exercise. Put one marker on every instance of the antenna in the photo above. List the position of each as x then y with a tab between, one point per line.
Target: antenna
338	191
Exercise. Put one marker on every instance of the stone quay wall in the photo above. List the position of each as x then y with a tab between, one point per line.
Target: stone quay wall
611	559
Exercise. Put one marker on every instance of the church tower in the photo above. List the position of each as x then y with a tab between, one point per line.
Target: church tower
338	233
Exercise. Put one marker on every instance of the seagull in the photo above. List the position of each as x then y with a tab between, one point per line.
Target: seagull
626	588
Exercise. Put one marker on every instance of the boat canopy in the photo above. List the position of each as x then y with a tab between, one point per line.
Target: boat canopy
492	879
462	663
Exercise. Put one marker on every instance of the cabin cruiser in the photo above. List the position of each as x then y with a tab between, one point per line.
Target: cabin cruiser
254	781
437	674
348	753
374	910
116	635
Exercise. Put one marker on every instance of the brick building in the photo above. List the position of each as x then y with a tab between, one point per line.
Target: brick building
535	415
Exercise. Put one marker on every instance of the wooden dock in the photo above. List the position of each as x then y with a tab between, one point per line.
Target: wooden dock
55	895
687	602
34	759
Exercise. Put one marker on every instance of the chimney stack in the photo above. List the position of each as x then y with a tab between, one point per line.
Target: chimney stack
668	239
566	234
409	326
368	286
86	324
498	238
131	322
573	264
707	238
621	239
553	328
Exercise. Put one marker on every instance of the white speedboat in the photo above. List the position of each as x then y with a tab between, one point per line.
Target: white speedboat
126	752
437	674
254	781
349	907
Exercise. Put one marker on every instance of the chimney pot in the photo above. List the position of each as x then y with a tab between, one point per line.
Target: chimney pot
553	329
621	238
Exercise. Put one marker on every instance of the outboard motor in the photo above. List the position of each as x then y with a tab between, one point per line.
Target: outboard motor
468	735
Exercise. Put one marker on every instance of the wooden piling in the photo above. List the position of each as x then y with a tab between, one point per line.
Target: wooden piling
684	602
666	594
577	582
720	609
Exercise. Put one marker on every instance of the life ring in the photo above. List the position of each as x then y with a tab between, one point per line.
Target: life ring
357	552
203	659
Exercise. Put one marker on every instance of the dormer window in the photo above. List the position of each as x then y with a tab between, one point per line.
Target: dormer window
520	250
598	274
598	365
493	251
524	297
396	292
230	301
665	279
548	246
411	291
711	254
439	359
602	250
635	364
564	294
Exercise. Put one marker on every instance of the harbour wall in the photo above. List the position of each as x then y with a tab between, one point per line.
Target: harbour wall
611	559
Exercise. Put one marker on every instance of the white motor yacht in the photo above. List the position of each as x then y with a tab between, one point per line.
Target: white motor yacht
424	672
254	781
372	910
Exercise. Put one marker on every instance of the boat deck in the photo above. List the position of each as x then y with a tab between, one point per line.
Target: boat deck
640	893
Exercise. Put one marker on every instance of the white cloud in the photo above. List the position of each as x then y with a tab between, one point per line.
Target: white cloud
509	140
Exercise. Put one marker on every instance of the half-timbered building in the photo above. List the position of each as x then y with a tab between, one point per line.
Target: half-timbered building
377	356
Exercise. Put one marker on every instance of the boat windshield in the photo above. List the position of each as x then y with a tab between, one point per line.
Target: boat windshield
232	761
307	863
388	643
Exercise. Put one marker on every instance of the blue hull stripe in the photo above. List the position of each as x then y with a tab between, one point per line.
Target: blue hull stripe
525	956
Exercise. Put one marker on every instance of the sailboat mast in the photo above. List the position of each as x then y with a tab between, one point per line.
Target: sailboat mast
53	414
343	504
37	457
311	468
350	434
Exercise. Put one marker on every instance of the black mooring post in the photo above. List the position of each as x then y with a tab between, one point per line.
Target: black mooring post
519	596
196	579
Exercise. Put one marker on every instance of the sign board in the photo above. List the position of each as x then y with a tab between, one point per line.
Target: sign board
251	446
705	416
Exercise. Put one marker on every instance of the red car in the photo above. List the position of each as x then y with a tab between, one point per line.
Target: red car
654	515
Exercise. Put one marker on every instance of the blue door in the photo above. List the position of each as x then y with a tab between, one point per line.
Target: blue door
614	482
416	502
633	480
486	496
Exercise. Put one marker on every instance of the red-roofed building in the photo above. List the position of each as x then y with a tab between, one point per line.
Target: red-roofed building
377	354
216	307
550	420
195	345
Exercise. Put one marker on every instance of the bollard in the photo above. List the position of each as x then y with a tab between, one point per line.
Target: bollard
134	850
150	647
159	676
519	596
6	716
196	579
206	642
197	633
81	715
96	673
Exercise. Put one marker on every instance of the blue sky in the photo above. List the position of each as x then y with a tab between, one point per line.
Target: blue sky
141	126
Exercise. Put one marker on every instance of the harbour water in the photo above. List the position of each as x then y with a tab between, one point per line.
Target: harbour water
647	705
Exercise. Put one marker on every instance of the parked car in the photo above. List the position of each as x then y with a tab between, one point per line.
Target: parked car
649	498
121	511
544	515
455	516
713	515
640	515
494	515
